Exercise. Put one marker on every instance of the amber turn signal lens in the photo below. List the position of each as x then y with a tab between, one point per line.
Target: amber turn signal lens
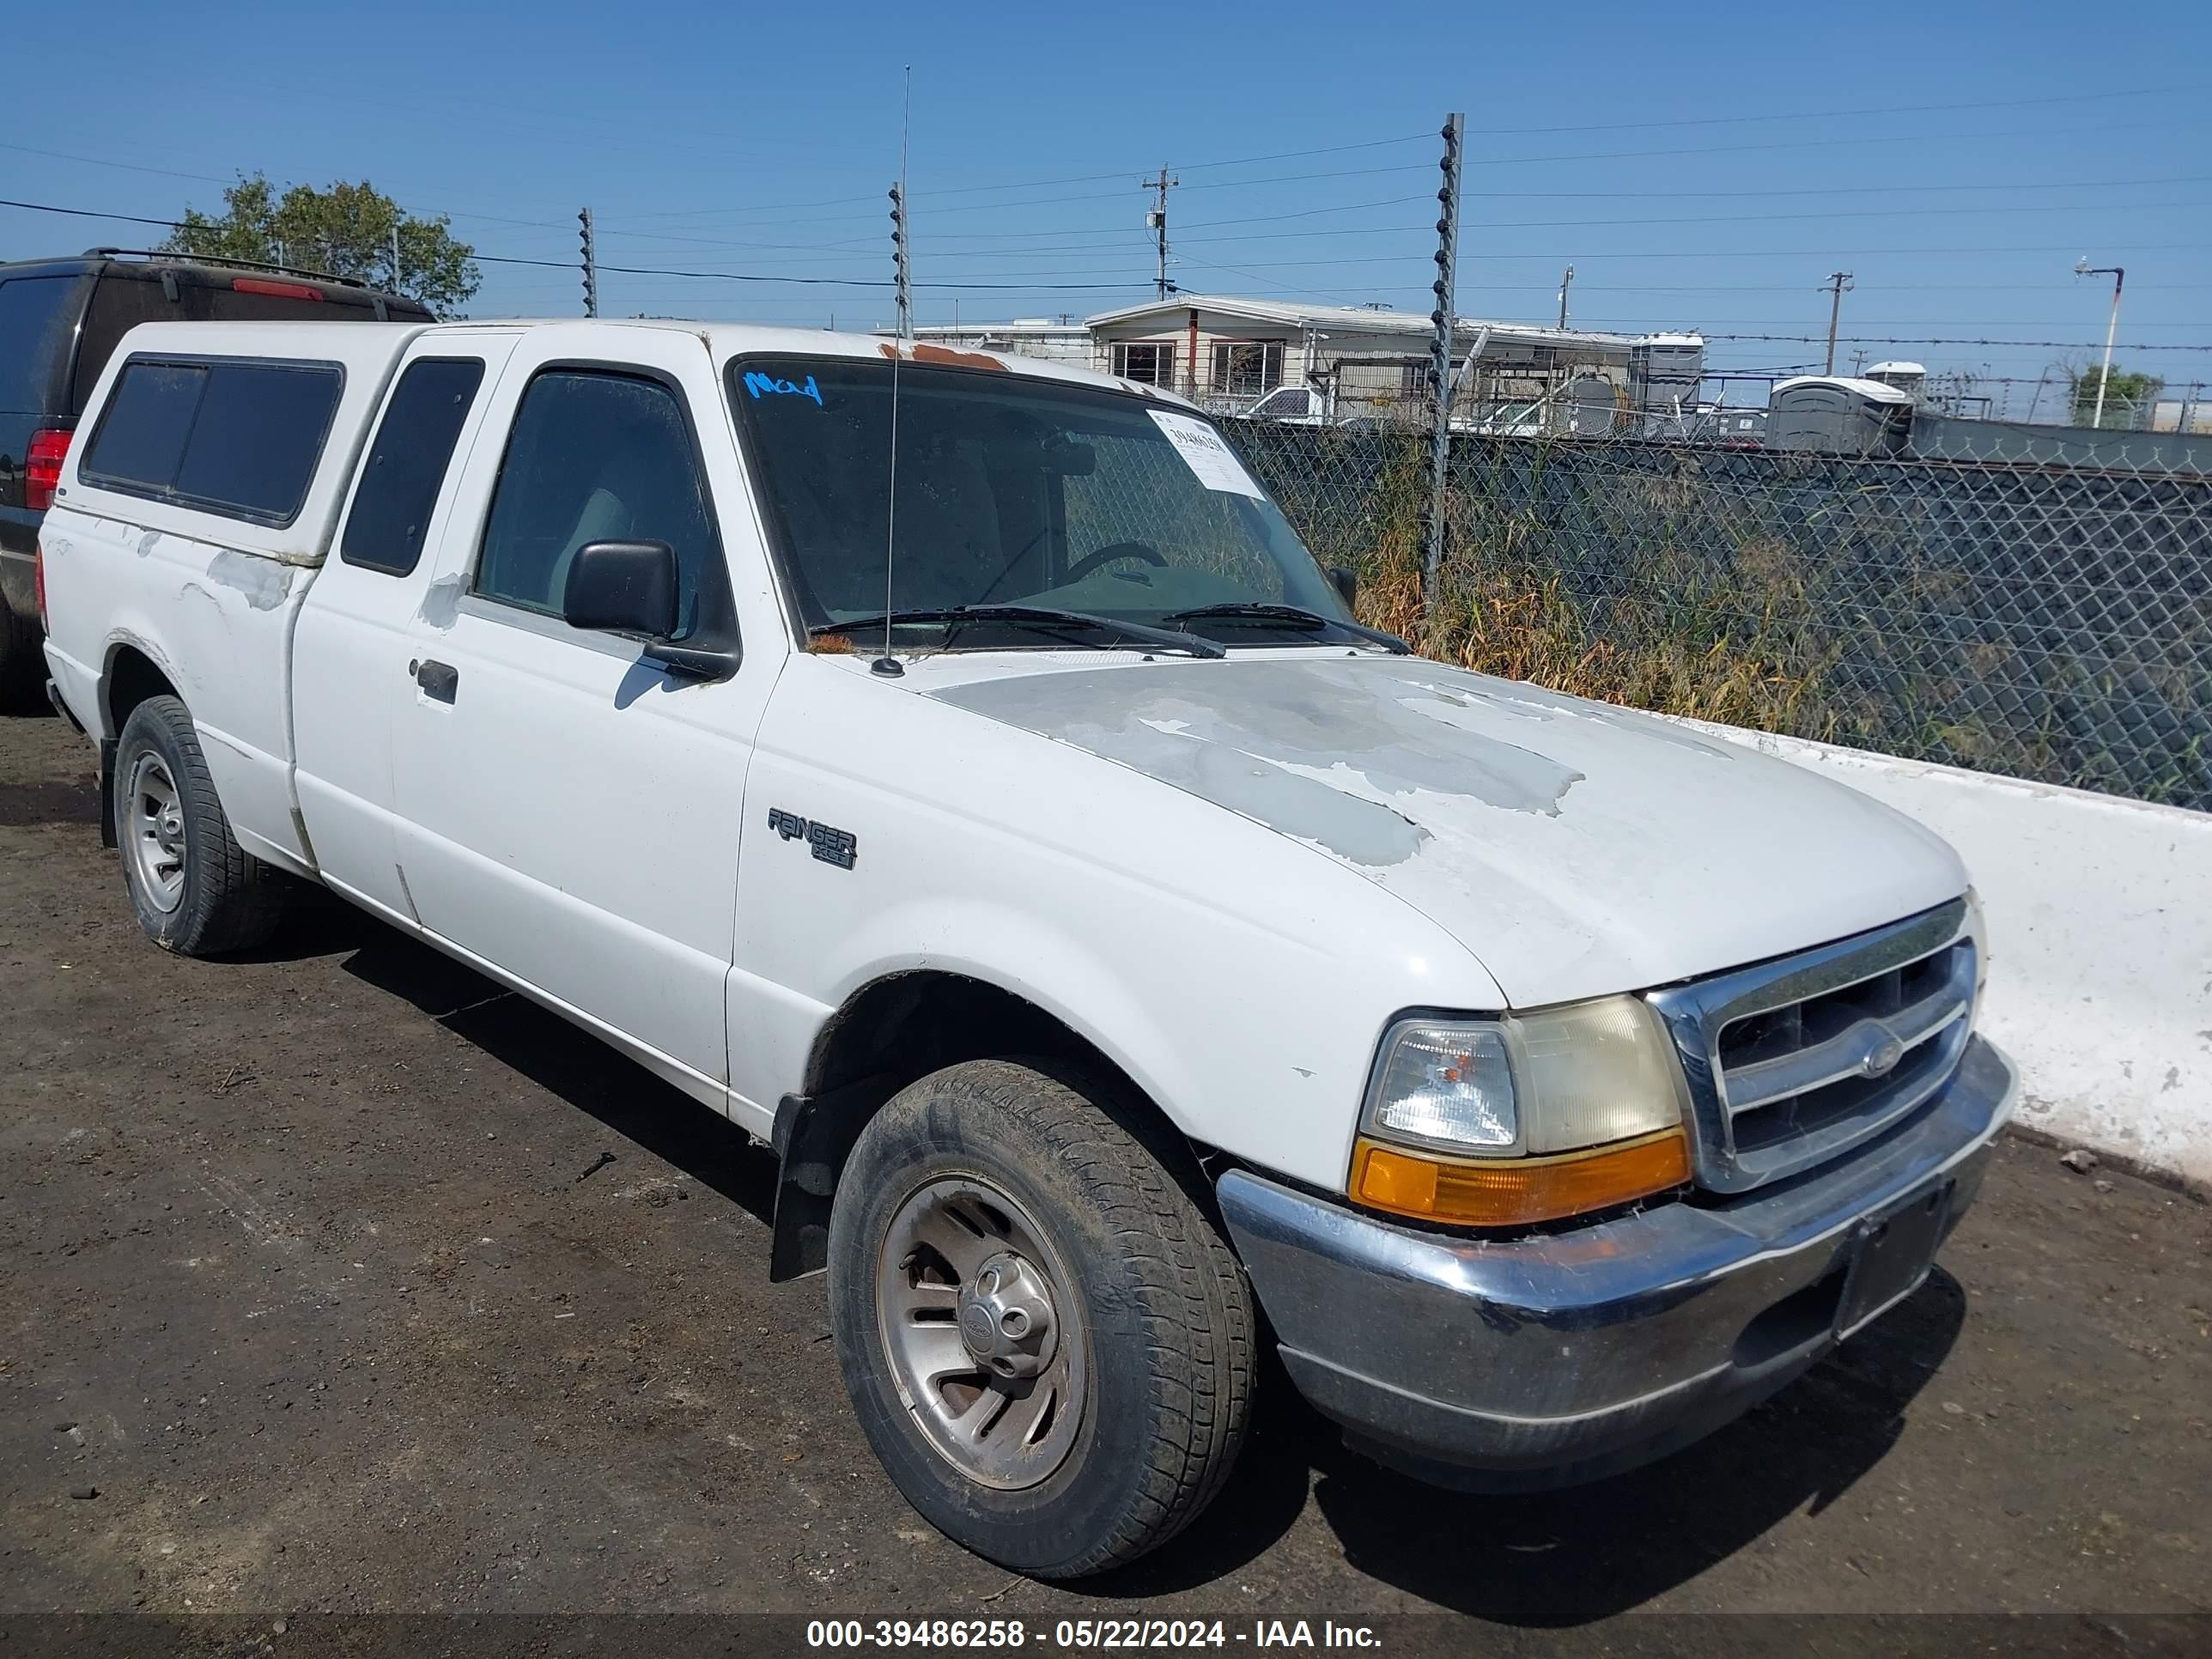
1509	1192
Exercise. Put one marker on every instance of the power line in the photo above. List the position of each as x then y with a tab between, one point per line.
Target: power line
1594	156
1483	161
1042	184
1834	114
125	167
810	281
650	270
1835	189
1578	224
1822	143
1931	340
2132	248
86	213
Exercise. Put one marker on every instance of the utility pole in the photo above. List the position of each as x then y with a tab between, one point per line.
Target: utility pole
901	274
395	253
2118	274
1838	284
1566	282
1156	221
591	267
1445	288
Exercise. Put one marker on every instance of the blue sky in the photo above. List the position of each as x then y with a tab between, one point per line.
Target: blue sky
1945	154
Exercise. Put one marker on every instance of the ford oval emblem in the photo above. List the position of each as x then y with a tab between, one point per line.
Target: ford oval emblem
1882	1057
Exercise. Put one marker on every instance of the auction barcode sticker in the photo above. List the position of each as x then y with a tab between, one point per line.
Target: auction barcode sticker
1207	453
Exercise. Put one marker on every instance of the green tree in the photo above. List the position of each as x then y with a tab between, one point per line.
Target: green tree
345	230
2126	393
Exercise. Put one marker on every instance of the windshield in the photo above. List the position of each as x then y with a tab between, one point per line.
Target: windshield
1013	491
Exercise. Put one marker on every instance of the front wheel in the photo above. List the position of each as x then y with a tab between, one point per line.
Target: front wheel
1049	1346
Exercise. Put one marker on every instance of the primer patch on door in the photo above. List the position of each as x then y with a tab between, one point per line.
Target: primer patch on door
1207	453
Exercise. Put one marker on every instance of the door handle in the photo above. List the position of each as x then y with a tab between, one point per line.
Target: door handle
439	680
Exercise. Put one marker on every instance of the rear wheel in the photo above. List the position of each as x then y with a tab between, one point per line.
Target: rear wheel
22	665
195	889
1047	1344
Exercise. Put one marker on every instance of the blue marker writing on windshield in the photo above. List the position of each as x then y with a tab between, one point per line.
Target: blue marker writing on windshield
756	383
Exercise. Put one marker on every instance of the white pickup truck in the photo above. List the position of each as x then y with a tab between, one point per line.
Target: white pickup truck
956	771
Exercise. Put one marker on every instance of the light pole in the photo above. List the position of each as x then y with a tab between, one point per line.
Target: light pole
2118	274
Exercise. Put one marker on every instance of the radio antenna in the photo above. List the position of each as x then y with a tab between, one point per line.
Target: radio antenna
904	286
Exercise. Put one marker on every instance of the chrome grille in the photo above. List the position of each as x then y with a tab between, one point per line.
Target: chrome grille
1792	1061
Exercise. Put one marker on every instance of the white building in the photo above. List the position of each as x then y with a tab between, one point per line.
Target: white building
1228	353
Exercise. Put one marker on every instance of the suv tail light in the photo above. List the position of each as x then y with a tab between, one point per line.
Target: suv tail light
39	581
42	466
280	290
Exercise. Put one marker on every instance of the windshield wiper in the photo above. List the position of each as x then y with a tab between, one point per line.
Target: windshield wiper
1293	615
1043	616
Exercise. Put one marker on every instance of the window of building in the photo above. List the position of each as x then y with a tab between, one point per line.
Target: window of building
1148	364
1416	377
1247	369
235	438
594	457
407	463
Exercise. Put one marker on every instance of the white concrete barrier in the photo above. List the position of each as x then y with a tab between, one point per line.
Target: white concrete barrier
2099	913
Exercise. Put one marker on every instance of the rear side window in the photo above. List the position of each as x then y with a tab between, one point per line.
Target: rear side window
38	316
119	304
142	436
239	438
407	463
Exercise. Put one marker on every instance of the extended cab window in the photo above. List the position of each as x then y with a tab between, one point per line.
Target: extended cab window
407	463
239	438
593	456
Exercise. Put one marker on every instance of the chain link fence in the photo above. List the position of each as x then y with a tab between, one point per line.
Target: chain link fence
2047	619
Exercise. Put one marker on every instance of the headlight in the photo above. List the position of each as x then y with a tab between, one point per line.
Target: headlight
1524	1117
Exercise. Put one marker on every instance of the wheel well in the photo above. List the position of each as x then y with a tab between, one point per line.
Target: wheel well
904	1027
131	678
907	1025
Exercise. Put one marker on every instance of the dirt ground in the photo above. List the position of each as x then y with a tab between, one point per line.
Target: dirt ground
350	1284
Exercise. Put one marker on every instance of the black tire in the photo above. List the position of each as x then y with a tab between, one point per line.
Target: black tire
228	900
1165	1305
22	665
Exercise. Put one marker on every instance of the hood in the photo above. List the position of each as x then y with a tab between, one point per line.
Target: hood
1574	848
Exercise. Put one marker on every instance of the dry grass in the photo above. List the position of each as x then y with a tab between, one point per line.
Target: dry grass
1734	650
1904	610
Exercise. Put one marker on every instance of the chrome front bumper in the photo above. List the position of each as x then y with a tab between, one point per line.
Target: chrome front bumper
1554	1358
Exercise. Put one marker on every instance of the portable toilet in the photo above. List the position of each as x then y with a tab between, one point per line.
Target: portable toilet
1839	414
1911	379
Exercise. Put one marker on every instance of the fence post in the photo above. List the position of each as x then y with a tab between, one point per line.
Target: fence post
1440	344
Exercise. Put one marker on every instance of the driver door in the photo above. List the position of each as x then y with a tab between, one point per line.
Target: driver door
569	812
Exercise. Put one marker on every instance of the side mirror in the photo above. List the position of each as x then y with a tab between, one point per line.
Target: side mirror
1347	582
622	587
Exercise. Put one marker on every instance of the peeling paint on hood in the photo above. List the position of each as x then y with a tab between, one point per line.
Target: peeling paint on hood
1574	848
1323	757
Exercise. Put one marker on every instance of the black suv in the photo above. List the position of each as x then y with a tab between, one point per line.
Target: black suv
60	320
